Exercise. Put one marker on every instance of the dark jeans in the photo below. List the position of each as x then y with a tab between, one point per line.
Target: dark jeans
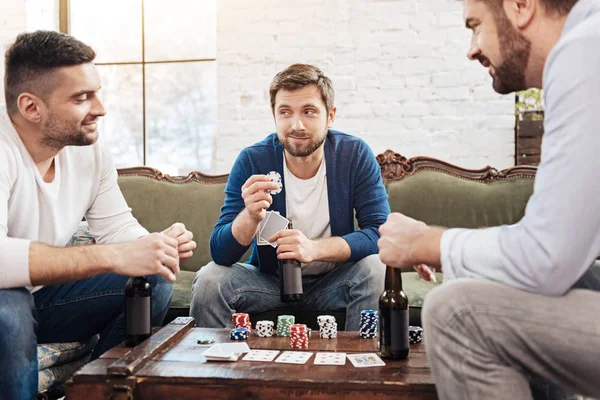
64	313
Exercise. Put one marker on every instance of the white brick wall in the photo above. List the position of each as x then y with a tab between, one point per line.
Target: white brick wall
13	19
399	69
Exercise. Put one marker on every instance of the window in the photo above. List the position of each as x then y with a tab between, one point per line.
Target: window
157	63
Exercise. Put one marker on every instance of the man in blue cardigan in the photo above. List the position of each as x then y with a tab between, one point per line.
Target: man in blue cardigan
327	177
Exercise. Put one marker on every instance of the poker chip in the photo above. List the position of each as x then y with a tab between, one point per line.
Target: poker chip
369	320
239	334
241	320
275	177
327	326
415	334
284	322
264	328
299	336
205	340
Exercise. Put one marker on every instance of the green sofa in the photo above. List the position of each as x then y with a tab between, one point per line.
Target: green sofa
423	188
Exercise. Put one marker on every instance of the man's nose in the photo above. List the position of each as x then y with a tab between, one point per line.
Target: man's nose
474	50
298	125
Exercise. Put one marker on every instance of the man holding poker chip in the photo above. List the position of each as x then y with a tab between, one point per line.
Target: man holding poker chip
326	179
523	299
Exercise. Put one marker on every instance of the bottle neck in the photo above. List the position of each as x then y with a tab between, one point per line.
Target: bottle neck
393	279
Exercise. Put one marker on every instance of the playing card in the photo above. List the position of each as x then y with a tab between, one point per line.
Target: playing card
330	359
294	357
226	351
260	241
365	360
273	224
261	355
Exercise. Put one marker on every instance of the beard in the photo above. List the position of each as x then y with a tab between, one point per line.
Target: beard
59	133
515	49
302	149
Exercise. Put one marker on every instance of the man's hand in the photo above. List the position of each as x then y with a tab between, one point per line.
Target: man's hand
152	254
185	244
425	272
398	237
292	244
257	198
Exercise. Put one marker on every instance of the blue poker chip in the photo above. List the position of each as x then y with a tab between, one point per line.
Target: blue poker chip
415	334
239	333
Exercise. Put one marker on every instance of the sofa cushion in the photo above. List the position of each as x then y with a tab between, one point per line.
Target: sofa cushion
52	354
439	198
83	236
57	375
158	204
182	289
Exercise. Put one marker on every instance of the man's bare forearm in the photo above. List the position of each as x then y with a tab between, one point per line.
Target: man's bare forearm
426	248
53	265
334	249
244	228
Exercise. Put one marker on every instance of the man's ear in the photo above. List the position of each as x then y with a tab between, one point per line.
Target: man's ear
331	117
521	12
29	107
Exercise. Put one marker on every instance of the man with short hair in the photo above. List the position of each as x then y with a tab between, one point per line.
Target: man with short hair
53	172
327	177
523	299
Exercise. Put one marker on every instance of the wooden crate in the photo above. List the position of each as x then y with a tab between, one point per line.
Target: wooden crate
529	129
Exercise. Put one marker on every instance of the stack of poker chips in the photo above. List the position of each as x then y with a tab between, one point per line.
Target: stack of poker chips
242	320
369	320
327	326
239	334
264	328
299	336
415	334
284	322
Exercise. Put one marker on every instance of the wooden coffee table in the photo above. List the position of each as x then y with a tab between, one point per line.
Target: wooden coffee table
169	365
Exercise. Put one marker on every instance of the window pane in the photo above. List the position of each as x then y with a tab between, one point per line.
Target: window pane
180	29
121	129
181	107
113	28
42	14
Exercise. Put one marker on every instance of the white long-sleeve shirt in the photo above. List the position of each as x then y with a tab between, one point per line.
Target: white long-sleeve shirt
558	238
32	210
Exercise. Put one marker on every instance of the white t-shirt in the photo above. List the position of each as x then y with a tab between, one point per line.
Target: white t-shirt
307	206
32	210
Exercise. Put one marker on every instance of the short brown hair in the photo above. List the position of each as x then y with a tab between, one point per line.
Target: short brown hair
560	7
33	57
296	77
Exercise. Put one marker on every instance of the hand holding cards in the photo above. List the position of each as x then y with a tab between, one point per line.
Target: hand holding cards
269	226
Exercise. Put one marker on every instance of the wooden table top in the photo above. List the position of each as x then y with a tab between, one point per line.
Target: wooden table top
183	364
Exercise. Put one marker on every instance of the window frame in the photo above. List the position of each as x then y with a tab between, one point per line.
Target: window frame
64	27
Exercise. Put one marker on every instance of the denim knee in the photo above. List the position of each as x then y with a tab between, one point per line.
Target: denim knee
208	282
372	270
18	343
162	292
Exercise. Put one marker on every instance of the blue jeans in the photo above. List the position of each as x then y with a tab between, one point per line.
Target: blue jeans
64	313
219	291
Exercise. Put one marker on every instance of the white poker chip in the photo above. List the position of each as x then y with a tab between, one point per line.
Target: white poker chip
275	177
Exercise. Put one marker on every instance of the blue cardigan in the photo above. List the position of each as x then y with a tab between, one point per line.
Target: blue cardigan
354	184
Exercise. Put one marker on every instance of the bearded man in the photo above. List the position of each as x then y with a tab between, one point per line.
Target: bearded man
522	300
327	177
54	172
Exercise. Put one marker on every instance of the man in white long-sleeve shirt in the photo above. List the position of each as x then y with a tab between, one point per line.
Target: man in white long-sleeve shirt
518	298
52	173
